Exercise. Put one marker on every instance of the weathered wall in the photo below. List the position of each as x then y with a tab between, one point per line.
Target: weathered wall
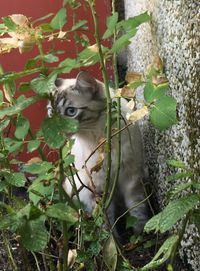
175	34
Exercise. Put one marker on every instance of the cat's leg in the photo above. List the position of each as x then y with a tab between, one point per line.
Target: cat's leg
133	194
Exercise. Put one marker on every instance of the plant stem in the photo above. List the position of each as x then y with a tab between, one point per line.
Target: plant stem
116	81
108	102
10	256
64	224
180	234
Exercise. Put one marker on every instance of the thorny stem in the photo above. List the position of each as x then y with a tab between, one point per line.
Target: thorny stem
108	102
114	185
64	266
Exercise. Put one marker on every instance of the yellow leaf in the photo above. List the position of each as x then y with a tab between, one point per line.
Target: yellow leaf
72	255
137	115
61	34
127	92
34	160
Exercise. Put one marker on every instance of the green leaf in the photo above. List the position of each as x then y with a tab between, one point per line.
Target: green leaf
34	235
44	85
111	24
123	41
196	219
2	28
24	86
1	97
22	127
10	222
46	27
68	64
39	188
10	87
55	129
60	19
179	188
173	212
16	179
153	93
176	163
62	212
18	107
38	168
12	145
3	124
163	113
110	254
134	22
79	24
33	145
179	176
31	63
163	253
49	58
30	212
131	222
8	22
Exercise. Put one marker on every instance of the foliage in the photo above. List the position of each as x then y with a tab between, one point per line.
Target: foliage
48	218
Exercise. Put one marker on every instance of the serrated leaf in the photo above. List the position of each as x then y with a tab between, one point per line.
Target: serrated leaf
79	24
163	253
68	64
163	113
62	211
176	163
10	222
172	213
55	129
123	41
38	168
30	212
33	145
153	93
110	254
60	19
18	107
111	24
179	176
179	188
44	85
16	179
22	127
34	235
134	22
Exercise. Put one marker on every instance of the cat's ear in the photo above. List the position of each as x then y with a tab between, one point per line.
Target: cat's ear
59	82
86	82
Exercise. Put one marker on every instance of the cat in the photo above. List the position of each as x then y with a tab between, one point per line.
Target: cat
83	99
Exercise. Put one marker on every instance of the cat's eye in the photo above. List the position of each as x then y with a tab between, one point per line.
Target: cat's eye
71	111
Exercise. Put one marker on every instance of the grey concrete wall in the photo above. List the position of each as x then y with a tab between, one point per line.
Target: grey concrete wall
175	34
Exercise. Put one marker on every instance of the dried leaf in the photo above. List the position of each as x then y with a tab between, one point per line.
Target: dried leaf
126	92
72	255
157	63
159	80
110	254
132	77
20	20
137	115
61	34
94	48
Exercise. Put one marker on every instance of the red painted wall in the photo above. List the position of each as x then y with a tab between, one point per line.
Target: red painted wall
15	61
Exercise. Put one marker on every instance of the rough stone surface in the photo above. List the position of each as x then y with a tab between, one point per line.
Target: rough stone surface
175	34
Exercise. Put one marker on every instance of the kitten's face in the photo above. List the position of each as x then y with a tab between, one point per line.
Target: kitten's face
81	99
